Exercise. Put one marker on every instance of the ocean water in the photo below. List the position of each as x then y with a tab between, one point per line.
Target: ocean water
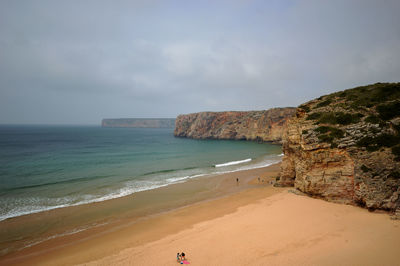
48	167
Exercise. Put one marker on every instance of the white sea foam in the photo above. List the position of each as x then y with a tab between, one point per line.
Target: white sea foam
69	201
233	163
174	180
255	166
129	188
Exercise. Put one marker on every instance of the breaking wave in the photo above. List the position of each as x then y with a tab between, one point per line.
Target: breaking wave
233	163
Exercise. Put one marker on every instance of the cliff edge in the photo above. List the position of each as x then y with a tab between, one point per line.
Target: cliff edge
344	147
260	126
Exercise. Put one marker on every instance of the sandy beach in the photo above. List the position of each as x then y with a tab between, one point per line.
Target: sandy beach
261	225
284	229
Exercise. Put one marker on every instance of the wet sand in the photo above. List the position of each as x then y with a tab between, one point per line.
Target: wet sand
138	213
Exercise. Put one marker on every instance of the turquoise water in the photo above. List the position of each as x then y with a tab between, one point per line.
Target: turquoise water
47	167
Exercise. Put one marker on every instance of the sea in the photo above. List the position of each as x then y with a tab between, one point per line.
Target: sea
49	167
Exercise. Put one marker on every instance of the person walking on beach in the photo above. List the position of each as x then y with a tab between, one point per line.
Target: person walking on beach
178	257
237	181
183	256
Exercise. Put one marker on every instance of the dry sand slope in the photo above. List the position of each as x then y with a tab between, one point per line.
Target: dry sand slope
283	229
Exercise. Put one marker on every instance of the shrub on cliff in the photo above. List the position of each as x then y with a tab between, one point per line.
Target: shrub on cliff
373	119
389	111
365	169
396	152
334	132
374	144
324	103
337	133
327	118
338	118
394	174
305	108
370	95
322	129
326	138
313	116
347	119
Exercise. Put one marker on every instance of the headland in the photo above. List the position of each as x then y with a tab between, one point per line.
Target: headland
139	122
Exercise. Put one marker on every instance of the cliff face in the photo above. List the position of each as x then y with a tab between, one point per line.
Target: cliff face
254	125
344	147
139	122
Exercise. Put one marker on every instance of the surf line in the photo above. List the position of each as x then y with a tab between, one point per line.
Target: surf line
233	163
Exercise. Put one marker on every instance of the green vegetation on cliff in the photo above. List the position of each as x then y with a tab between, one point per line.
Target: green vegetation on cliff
332	118
375	108
389	111
370	95
375	143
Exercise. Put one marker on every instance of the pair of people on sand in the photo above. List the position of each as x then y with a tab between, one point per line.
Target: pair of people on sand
180	257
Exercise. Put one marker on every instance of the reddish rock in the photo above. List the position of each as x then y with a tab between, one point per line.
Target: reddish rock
254	125
342	147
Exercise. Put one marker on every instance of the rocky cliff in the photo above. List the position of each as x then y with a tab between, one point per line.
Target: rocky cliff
254	125
344	147
139	122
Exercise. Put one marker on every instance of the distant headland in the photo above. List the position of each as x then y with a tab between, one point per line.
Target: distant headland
262	126
139	122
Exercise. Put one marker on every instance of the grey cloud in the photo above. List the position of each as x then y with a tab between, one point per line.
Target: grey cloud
80	61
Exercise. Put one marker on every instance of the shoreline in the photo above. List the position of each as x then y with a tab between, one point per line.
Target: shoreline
178	196
177	180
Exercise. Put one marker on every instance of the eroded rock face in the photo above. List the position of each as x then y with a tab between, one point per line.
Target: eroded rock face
344	147
254	125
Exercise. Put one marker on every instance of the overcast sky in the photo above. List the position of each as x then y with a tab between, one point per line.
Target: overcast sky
76	62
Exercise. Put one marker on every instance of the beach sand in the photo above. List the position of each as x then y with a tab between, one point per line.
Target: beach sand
260	225
283	229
